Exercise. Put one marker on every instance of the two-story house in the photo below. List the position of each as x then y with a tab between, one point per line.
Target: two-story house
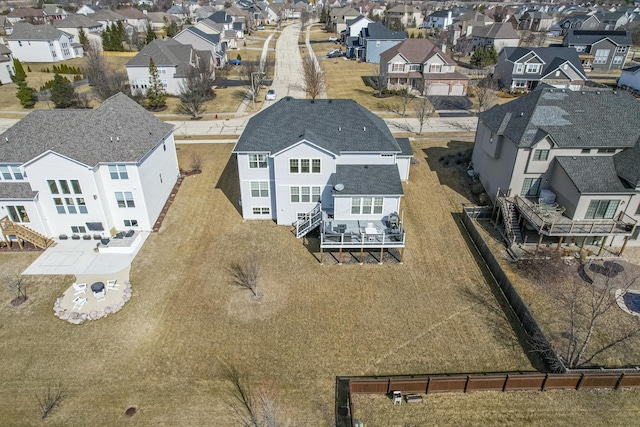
418	65
579	21
204	38
26	14
630	78
600	50
438	20
531	20
374	39
403	16
339	17
74	22
173	60
87	171
498	35
523	68
354	26
42	43
551	159
324	163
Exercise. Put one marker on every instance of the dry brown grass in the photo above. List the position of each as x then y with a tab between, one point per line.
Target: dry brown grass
584	408
162	352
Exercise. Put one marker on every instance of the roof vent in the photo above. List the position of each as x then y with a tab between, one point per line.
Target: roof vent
615	92
597	92
521	114
366	166
330	101
364	128
583	92
117	139
574	158
339	128
6	139
339	187
111	138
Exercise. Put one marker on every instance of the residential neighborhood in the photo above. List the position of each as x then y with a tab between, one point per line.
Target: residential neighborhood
347	213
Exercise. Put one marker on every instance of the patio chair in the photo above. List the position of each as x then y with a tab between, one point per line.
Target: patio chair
99	296
81	288
111	284
79	302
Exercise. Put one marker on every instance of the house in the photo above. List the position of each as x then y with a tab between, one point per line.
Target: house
74	22
87	171
403	16
53	12
630	78
523	68
438	20
87	9
354	26
339	17
375	39
42	43
107	18
159	20
548	159
324	163
179	12
579	21
610	21
6	65
203	38
418	65
174	61
136	18
26	14
531	20
498	35
600	50
6	27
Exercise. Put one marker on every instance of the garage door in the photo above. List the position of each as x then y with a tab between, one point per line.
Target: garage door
438	89
457	90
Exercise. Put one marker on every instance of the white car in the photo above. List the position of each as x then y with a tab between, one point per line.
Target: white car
271	95
333	39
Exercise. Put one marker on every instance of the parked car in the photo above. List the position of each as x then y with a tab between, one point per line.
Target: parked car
333	39
335	53
260	27
234	62
271	95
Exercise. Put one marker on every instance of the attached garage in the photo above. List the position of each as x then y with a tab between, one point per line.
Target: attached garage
457	90
438	89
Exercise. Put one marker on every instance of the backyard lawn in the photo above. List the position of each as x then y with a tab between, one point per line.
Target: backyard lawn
163	351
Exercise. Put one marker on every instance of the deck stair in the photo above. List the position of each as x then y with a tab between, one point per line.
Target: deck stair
512	231
9	228
307	223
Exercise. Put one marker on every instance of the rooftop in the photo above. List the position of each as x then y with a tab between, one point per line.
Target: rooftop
582	169
367	180
26	31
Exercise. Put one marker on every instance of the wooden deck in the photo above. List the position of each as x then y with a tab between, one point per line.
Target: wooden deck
356	234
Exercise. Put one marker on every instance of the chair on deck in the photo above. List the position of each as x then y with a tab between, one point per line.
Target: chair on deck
79	302
99	296
111	284
81	288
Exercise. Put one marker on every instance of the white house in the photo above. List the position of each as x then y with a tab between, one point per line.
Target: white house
630	77
173	60
440	19
6	65
549	161
204	38
74	22
87	171
324	163
42	43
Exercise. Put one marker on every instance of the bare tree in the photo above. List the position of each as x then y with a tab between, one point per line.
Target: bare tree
196	163
405	97
195	90
313	78
423	109
304	18
50	398
486	93
106	82
246	274
379	79
17	285
255	76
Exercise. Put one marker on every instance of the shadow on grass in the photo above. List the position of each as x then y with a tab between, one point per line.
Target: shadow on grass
450	164
229	184
494	300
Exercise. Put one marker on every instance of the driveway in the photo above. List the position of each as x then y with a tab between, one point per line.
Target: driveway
288	79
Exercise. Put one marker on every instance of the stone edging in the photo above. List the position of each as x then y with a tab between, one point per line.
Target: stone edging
77	318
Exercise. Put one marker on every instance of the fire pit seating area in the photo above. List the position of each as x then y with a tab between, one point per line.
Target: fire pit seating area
81	302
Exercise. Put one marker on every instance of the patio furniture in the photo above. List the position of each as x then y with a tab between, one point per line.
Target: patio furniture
81	288
97	287
111	284
79	302
341	228
130	233
370	229
397	398
99	296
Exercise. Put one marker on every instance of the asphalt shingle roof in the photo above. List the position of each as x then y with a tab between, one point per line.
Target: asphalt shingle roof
377	31
627	163
584	37
119	130
26	31
592	174
76	21
405	146
553	57
589	119
367	180
337	125
498	30
166	52
16	190
416	51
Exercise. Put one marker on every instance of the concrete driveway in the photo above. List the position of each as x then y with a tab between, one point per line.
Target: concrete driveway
288	80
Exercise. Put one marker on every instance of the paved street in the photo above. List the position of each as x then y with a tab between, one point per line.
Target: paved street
288	77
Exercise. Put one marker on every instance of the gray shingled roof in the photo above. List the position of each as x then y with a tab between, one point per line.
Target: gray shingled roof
377	31
76	21
498	30
405	146
16	190
165	53
589	119
26	31
584	37
85	135
592	175
627	163
553	57
337	125
367	180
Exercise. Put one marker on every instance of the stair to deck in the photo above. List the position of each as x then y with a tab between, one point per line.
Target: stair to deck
9	228
512	231
310	221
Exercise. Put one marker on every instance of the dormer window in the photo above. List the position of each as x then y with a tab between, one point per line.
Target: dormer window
533	68
397	67
519	68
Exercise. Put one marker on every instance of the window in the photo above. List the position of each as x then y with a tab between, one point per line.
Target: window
606	150
59	206
585	151
366	205
397	67
259	188
531	187
64	186
125	199
53	186
75	185
540	155
602	209
78	229
261	211
520	83
532	69
435	68
82	206
118	172
10	172
257	161
304	166
71	207
6	173
621	49
618	60
18	214
130	222
601	56
518	69
305	194
414	67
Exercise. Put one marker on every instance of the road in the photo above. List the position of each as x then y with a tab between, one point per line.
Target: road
288	76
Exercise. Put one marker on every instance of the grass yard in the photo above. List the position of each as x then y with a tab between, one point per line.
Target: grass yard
163	351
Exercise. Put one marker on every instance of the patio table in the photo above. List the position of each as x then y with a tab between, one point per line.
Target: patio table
97	287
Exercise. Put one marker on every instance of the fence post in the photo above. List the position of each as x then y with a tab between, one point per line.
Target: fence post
580	381
617	387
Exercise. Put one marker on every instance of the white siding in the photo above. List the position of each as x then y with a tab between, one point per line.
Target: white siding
342	209
139	74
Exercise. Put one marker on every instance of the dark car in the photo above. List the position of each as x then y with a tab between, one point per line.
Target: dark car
234	62
335	53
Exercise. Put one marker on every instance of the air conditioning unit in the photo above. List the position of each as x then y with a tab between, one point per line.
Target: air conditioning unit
547	196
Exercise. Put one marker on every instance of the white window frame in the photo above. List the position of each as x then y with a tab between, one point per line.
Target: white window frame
118	172
130	222
520	84
261	210
257	161
532	68
617	60
601	56
414	67
435	68
296	166
124	199
541	155
305	194
367	205
18	213
518	69
397	67
259	189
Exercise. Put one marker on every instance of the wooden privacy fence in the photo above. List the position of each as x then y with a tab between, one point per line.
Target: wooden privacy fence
495	382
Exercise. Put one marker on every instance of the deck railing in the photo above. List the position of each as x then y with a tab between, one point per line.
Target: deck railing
352	240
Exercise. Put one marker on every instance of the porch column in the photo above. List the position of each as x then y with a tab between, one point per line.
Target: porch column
604	242
381	253
320	251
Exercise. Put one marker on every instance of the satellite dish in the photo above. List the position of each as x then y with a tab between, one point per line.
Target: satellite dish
339	187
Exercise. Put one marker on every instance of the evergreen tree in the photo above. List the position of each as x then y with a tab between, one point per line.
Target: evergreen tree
82	38
20	75
122	36
156	96
151	35
26	94
106	39
62	93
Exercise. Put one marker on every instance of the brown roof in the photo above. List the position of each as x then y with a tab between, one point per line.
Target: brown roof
25	12
132	13
416	51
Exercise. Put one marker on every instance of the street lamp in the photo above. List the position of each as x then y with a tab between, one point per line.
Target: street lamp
253	86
